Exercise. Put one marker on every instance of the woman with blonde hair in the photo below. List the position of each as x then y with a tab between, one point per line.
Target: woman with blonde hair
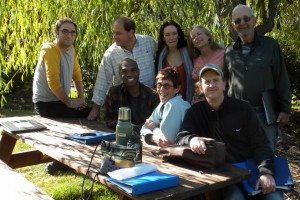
203	50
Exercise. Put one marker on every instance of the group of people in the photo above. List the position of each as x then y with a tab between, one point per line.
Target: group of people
180	91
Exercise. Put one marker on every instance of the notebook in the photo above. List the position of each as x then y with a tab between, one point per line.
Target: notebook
271	106
283	177
146	183
91	137
21	126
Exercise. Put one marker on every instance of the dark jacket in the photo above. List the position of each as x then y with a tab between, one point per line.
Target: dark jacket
141	108
235	124
263	69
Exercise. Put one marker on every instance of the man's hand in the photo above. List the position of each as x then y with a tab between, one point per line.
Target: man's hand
197	144
267	184
78	103
160	140
95	112
283	118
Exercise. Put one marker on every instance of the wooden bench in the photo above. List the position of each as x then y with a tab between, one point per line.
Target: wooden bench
14	186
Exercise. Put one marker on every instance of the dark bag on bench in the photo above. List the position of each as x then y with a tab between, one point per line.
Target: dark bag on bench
214	158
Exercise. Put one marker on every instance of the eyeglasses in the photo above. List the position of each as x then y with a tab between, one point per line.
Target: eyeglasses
165	86
239	20
66	32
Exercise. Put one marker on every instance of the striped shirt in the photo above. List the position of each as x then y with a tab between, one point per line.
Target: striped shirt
108	75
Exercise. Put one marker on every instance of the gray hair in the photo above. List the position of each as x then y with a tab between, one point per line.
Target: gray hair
242	6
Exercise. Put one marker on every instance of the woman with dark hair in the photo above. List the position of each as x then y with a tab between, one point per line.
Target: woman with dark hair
203	50
172	52
164	123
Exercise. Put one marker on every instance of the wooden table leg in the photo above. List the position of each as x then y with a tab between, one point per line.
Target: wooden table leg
123	197
7	145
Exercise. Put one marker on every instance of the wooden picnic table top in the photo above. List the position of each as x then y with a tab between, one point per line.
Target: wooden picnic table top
52	143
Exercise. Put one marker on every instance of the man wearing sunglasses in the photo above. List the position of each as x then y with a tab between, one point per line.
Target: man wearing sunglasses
254	65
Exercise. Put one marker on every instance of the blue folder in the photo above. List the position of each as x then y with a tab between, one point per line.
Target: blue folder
91	137
283	177
146	183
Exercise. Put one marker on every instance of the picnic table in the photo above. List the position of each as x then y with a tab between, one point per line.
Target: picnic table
51	145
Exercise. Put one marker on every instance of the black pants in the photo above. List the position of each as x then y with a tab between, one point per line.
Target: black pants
59	109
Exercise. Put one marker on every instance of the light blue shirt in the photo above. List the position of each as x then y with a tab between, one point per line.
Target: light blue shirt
171	119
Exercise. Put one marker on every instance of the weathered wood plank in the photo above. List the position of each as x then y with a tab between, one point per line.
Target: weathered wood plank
7	144
15	187
52	143
28	158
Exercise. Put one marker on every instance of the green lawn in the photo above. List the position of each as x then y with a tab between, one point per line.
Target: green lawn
63	185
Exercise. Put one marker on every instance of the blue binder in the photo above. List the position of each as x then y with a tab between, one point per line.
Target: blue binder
146	183
91	137
283	177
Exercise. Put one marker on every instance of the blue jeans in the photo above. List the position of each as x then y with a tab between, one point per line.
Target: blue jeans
271	131
235	192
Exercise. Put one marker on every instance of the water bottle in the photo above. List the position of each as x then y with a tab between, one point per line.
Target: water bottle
124	127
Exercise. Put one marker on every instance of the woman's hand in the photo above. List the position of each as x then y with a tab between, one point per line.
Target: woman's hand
160	140
150	124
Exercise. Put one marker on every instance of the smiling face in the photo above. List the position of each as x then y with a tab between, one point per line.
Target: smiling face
199	38
240	23
129	72
165	89
121	36
171	36
66	35
212	85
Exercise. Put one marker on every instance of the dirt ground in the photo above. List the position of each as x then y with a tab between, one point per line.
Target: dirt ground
289	147
288	143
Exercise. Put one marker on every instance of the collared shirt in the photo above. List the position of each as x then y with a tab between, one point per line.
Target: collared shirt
168	118
118	96
108	75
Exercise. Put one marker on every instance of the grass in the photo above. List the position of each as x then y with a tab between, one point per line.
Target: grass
62	185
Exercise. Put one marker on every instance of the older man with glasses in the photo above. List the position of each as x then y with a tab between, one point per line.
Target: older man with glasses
254	66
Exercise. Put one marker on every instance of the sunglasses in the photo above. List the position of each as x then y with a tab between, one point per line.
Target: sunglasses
239	20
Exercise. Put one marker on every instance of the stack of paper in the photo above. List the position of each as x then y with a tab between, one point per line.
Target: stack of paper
137	170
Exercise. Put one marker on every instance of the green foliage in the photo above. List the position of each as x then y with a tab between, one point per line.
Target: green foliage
25	25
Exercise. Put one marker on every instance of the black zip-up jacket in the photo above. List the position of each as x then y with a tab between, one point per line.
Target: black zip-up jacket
263	69
234	123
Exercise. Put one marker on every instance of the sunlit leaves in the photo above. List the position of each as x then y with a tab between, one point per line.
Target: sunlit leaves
25	25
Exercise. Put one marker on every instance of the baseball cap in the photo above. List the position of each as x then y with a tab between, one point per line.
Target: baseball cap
214	67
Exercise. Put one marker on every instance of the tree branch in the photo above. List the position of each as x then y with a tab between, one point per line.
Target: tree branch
269	19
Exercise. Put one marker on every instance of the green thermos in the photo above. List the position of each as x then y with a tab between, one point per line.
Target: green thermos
124	127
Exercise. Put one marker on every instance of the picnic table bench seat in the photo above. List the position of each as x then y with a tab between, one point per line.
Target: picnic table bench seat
13	186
